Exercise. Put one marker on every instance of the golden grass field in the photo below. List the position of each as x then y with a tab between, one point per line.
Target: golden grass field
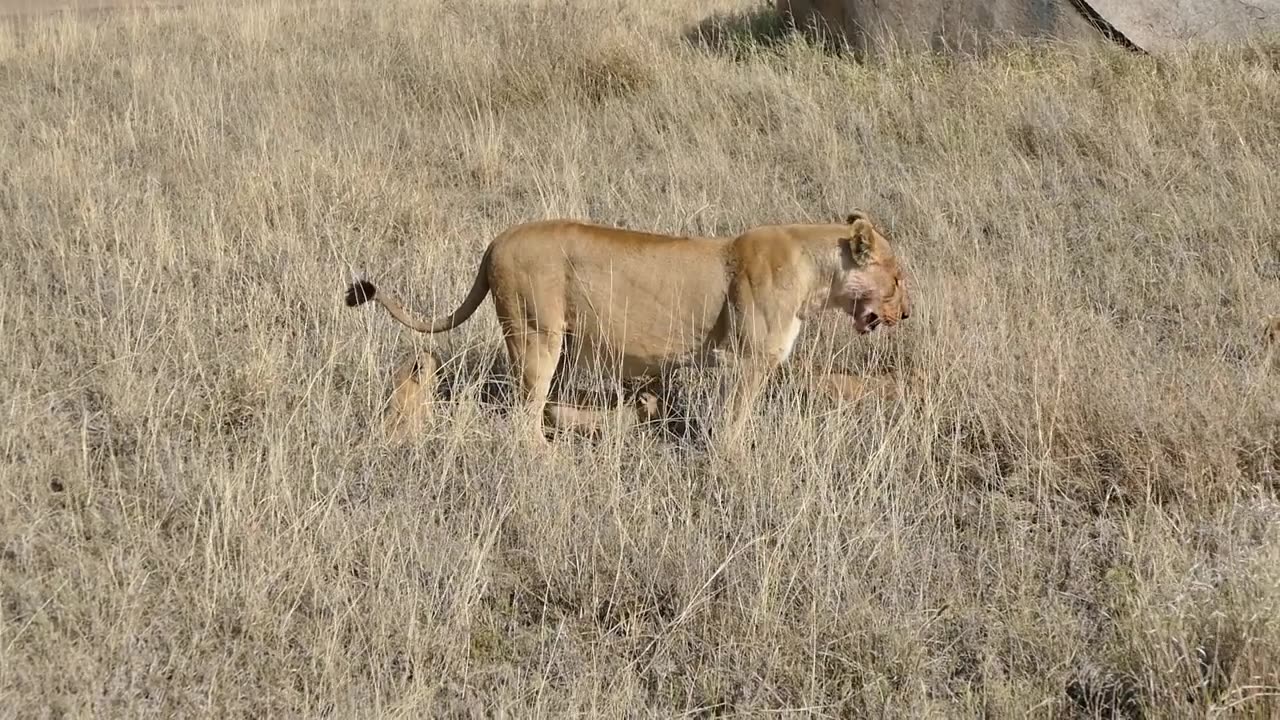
1077	508
80	8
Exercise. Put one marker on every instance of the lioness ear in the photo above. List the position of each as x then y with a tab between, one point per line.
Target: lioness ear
855	216
854	250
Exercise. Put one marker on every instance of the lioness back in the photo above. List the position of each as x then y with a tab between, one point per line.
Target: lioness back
649	295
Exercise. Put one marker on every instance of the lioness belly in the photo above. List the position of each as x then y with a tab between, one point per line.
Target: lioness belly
645	324
630	354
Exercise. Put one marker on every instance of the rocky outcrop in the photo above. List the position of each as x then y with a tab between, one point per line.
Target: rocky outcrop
871	26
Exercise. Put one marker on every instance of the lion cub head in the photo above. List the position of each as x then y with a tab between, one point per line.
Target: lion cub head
872	287
413	393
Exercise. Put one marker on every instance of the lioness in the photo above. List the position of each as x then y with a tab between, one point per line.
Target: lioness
643	304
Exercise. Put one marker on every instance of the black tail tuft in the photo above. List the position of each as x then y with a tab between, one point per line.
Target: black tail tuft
360	293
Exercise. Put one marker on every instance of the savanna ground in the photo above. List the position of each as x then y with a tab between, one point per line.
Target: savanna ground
200	515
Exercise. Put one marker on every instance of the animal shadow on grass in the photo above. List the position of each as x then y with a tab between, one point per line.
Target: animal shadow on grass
737	34
496	392
421	380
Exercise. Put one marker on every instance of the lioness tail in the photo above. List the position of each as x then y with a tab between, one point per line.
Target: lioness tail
362	291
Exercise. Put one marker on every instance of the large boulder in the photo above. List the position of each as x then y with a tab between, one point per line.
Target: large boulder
870	26
1161	24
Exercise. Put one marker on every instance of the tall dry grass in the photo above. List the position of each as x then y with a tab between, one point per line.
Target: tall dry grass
198	514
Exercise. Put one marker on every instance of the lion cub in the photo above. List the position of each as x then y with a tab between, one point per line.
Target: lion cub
413	395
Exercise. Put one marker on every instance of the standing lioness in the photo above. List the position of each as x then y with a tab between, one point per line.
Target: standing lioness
642	304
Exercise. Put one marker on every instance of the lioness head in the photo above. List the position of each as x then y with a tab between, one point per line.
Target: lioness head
872	287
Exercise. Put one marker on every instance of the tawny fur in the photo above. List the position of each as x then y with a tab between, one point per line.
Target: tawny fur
844	387
413	394
638	305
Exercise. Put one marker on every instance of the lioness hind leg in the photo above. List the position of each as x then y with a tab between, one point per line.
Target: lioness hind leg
534	355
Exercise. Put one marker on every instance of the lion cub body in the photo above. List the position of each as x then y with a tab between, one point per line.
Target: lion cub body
413	395
637	305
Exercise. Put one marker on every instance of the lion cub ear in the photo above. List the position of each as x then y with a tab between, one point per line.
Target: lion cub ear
855	216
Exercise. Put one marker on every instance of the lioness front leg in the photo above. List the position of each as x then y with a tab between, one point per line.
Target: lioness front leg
764	343
752	374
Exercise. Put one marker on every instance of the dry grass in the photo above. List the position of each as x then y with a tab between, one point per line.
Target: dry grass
198	513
